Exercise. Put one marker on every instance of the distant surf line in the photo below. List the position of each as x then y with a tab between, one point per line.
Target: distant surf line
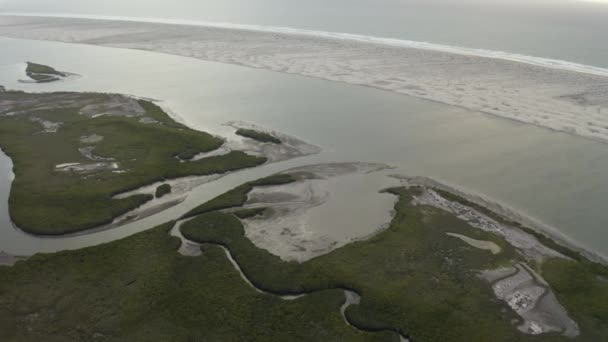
502	55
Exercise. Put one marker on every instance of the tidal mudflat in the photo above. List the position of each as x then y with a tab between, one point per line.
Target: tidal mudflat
313	216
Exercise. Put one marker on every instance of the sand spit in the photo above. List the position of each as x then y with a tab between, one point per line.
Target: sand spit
482	221
558	95
321	212
526	243
525	291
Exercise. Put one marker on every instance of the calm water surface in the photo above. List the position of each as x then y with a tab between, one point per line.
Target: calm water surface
554	177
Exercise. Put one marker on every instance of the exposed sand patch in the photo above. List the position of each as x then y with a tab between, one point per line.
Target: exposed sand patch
525	291
86	168
223	150
187	247
334	205
91	139
558	95
47	126
9	259
87	152
529	295
481	244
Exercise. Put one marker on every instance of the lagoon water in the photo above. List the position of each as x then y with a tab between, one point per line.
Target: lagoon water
555	178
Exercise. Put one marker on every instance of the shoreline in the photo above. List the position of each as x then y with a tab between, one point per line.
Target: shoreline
568	101
507	214
545	62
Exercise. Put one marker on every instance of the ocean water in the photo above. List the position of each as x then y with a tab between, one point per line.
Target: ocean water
570	30
555	178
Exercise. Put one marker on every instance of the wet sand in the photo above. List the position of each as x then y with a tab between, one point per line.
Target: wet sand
529	295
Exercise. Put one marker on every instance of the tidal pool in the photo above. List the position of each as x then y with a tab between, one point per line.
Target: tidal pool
555	178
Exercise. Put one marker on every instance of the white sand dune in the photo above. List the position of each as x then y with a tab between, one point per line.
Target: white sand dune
559	95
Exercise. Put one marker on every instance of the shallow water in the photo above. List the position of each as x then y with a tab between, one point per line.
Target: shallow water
554	177
314	216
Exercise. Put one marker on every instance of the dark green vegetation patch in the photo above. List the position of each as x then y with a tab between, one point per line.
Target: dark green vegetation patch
141	289
42	73
135	147
412	278
259	136
162	190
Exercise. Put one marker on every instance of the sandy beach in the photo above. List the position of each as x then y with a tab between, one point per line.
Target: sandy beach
557	95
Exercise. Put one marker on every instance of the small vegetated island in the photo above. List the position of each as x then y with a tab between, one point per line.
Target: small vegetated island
162	190
258	135
43	74
430	276
72	152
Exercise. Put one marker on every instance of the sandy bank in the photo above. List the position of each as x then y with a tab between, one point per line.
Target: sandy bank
554	94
